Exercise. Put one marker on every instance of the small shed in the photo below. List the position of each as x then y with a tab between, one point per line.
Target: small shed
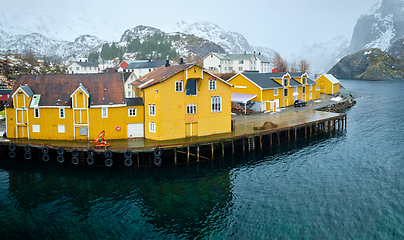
328	84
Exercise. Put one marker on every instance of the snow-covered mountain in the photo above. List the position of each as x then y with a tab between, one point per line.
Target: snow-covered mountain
380	28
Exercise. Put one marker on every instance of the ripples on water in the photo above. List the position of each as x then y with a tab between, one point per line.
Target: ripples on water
345	185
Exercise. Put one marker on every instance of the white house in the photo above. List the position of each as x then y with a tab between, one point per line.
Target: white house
129	77
82	67
227	63
140	67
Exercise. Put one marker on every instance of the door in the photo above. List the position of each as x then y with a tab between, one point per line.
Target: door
81	133
135	130
285	103
191	129
22	116
22	132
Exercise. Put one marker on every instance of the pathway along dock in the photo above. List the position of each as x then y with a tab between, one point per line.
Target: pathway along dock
286	126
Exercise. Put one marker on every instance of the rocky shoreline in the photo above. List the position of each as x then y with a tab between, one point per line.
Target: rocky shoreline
339	107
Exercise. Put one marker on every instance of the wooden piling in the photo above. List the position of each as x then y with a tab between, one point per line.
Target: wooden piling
222	149
187	154
197	153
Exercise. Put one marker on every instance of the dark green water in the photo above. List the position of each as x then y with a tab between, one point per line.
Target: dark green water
345	185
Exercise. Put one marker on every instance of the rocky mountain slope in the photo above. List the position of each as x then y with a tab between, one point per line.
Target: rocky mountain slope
369	64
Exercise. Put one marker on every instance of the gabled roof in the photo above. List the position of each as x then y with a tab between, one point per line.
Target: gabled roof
240	56
294	83
262	58
278	75
55	90
86	64
263	80
311	82
219	55
296	74
134	101
331	78
145	64
5	91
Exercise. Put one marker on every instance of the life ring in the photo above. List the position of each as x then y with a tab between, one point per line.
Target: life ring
60	158
60	151
157	152
27	155
75	152
108	162
157	161
75	160
128	162
90	152
12	154
108	154
128	154
27	148
45	150
118	128
11	147
45	157
90	160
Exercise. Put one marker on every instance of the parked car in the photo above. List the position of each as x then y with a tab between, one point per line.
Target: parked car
300	103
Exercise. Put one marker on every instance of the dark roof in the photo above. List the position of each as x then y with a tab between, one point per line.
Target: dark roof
86	64
262	79
151	64
296	74
110	70
311	82
294	83
159	75
276	75
134	101
5	91
126	75
103	88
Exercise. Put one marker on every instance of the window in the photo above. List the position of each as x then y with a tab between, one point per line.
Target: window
275	92
191	108
295	89
90	68
71	68
311	87
36	113
285	92
241	62
131	112
225	68
285	82
240	68
304	89
212	84
152	110
61	113
149	69
216	104
230	68
77	68
178	86
152	127
304	80
129	94
36	128
104	112
61	128
85	68
230	61
191	87
212	68
310	96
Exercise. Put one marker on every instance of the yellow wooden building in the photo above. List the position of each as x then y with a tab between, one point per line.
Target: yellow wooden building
184	101
328	84
72	107
269	91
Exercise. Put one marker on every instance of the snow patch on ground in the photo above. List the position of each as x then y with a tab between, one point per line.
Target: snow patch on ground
337	99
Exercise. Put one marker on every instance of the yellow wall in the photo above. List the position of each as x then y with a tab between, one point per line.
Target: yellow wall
49	120
251	88
326	86
171	118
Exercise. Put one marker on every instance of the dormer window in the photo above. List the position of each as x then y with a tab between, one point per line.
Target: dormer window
285	82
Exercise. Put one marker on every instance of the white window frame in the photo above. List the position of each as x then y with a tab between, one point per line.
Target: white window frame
191	108
36	112
61	129
212	84
152	110
275	92
178	85
152	127
311	87
310	95
132	112
216	104
295	89
240	68
62	113
36	128
104	112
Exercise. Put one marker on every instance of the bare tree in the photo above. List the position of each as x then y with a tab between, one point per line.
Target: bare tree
304	65
293	67
278	62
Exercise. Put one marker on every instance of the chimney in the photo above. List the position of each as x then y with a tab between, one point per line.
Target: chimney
181	61
167	63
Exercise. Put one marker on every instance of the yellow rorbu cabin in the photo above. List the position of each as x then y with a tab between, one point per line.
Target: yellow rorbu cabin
184	101
328	84
72	107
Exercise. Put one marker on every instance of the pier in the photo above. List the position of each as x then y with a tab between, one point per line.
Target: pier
250	132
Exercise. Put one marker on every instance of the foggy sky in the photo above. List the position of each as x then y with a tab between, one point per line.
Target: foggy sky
276	24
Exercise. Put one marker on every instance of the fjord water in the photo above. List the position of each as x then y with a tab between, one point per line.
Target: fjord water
342	185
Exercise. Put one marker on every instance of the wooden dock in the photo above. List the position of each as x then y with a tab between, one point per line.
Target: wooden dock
286	126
